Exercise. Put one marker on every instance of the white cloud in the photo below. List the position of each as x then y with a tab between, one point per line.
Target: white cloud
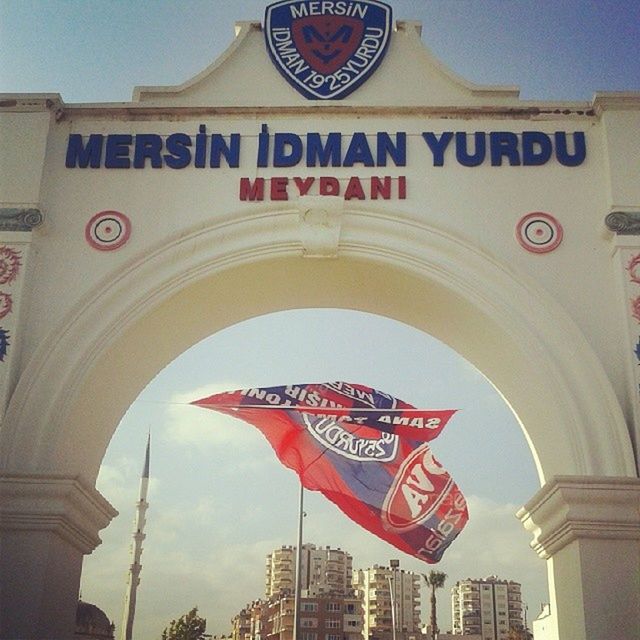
189	425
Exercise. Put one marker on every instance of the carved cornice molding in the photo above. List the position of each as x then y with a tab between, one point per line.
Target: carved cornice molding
623	223
62	505
20	219
571	508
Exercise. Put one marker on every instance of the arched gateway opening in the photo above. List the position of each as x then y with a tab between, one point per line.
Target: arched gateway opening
220	500
211	278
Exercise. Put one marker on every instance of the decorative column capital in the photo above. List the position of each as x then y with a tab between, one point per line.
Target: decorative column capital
570	508
623	223
54	503
20	218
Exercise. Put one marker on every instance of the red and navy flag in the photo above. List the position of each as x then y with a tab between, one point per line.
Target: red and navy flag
364	450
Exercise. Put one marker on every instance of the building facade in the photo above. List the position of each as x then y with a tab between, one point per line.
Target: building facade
247	624
329	607
324	570
489	607
334	617
327	617
542	625
391	601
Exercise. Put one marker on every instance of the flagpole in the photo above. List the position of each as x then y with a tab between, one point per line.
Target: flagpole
298	586
392	588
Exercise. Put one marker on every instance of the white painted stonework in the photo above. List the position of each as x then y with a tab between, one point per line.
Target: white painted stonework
555	332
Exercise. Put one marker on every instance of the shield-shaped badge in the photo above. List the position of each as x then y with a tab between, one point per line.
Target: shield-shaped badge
327	49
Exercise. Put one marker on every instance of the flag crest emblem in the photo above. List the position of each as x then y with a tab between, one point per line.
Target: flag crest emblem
327	49
366	451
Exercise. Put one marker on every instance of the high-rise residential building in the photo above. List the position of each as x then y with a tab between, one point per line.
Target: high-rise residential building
391	602
324	571
489	607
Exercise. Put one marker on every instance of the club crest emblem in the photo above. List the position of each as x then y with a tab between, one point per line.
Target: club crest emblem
327	48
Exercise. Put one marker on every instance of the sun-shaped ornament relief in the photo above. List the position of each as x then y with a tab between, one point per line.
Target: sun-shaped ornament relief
6	304
9	264
632	269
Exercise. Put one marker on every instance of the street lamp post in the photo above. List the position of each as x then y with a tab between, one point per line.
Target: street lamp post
394	564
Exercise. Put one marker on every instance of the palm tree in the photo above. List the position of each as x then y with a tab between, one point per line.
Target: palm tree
435	580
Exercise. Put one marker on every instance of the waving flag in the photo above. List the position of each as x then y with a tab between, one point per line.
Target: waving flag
364	450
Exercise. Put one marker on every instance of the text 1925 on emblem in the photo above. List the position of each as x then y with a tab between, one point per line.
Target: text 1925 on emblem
326	49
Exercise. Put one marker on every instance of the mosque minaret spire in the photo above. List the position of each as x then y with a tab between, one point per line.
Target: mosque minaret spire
136	551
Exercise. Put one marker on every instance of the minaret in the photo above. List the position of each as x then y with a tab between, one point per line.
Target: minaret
136	552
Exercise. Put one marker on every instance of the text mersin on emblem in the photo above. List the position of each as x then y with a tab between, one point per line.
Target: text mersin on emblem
327	49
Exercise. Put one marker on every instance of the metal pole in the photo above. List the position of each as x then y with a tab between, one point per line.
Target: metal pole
393	605
296	601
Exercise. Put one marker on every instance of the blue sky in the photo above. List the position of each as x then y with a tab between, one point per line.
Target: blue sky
97	50
219	500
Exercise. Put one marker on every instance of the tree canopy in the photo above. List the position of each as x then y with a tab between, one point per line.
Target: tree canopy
435	579
190	626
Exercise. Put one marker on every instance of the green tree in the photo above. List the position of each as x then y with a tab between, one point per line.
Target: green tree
435	580
190	626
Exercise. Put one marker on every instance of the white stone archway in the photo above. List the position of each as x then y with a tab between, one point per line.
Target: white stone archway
89	328
157	306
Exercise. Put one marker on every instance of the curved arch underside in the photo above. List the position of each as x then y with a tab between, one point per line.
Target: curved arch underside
191	288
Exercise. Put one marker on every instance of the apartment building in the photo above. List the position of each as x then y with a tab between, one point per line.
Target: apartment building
324	571
391	601
333	617
247	624
488	607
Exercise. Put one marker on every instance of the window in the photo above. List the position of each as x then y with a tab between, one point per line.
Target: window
309	635
352	623
333	636
350	608
309	623
333	606
309	606
332	623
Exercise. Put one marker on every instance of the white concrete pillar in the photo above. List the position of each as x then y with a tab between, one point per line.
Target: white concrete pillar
16	224
588	529
47	524
626	255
